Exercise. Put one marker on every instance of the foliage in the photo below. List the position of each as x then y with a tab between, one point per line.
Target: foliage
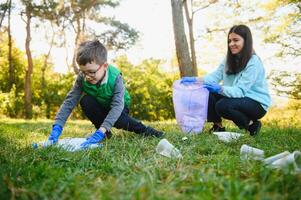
127	167
284	25
3	9
151	96
186	67
17	60
70	14
120	36
286	83
294	104
285	31
150	89
12	100
12	103
114	34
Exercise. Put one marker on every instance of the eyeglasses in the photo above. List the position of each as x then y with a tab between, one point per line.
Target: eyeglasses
92	73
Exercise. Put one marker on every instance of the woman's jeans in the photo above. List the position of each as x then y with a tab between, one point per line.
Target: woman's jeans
239	110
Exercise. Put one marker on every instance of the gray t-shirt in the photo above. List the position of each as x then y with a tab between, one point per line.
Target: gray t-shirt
75	94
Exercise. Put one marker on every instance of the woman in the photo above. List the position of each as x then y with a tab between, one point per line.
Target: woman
238	87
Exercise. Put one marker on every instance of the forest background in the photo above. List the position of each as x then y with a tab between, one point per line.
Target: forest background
38	41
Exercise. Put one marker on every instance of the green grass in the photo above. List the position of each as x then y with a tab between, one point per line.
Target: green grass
127	167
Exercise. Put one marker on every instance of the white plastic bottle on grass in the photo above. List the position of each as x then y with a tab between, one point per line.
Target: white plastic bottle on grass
42	145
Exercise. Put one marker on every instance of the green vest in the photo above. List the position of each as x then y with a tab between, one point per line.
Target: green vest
104	92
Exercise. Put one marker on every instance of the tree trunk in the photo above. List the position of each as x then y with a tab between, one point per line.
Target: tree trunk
10	60
77	39
43	80
28	95
48	110
191	38
45	65
182	50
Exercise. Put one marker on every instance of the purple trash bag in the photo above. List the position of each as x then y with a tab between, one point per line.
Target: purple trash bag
191	105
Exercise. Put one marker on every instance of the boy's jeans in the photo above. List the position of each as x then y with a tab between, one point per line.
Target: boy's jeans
97	114
239	110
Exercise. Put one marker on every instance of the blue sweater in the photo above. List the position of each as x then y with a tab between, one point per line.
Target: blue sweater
250	82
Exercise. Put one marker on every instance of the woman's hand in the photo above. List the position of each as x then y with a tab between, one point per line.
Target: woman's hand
186	80
214	87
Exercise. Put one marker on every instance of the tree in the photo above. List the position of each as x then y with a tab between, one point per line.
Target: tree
191	8
189	19
44	86
182	50
187	61
284	29
151	99
6	8
119	36
48	9
286	32
286	84
81	13
53	14
14	105
3	9
27	98
10	63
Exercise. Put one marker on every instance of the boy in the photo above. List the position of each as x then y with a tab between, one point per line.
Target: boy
105	101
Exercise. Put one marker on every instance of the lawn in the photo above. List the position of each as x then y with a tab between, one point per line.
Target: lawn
127	167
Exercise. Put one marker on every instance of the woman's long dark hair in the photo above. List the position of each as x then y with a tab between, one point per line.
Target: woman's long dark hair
236	63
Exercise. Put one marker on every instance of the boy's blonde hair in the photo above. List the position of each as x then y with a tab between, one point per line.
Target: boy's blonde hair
91	51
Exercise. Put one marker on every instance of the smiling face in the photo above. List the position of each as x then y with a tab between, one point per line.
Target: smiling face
236	43
94	72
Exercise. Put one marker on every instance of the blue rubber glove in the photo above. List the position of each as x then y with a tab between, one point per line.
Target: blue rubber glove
186	80
213	87
55	133
93	139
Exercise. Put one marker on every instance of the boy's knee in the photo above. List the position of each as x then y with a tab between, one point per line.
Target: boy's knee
83	101
86	100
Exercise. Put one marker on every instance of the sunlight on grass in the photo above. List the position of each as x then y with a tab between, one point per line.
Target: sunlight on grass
127	167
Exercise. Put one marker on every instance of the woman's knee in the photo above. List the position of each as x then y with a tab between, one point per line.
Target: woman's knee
222	107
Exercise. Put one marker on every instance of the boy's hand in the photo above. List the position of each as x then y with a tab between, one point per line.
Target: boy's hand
97	136
55	133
